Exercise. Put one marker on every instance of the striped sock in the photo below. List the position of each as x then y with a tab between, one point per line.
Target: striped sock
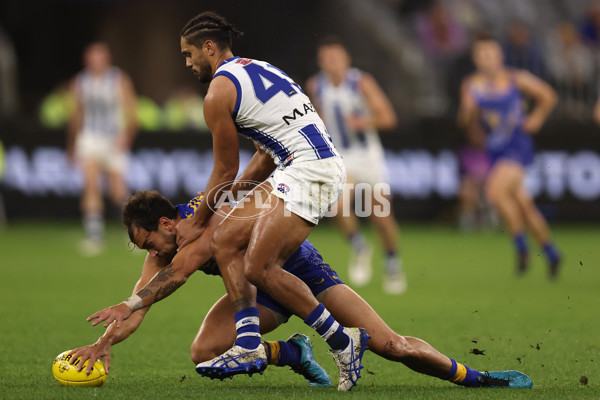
282	353
321	321
462	375
246	324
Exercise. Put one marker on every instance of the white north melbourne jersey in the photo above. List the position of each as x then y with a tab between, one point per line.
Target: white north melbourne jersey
337	103
272	110
101	99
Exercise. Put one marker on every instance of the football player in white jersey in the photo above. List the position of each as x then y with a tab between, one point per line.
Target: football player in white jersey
354	108
100	135
260	102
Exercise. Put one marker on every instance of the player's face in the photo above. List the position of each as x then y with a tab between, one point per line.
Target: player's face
97	57
196	60
487	56
333	59
160	243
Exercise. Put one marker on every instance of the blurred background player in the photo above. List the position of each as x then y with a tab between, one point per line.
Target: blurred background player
354	108
492	100
101	132
474	165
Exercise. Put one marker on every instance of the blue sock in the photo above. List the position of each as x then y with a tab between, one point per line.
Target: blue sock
463	375
289	354
326	326
520	241
551	252
246	324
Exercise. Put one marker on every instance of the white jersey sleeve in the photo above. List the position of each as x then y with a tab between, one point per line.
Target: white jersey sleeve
274	112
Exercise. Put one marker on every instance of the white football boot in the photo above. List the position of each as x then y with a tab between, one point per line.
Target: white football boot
349	359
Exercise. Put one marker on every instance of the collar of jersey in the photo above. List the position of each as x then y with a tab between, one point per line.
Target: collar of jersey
228	60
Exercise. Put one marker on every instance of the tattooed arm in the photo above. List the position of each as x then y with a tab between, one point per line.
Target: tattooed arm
165	282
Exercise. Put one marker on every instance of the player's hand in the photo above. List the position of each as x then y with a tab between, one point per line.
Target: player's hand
533	124
92	352
187	232
117	313
357	123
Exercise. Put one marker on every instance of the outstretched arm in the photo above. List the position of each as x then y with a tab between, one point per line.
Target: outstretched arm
258	170
114	335
166	281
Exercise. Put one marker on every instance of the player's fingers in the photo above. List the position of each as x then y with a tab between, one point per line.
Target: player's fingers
90	364
106	364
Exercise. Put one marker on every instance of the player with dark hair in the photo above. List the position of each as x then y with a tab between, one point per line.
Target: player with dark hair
260	102
492	100
152	222
101	132
354	108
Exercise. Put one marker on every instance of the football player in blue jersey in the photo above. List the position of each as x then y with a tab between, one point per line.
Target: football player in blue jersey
492	99
260	102
152	223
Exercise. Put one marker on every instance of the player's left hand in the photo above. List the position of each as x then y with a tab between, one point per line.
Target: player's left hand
93	352
117	313
187	232
357	123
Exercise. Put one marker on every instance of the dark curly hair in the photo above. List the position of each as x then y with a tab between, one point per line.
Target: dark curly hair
209	26
144	209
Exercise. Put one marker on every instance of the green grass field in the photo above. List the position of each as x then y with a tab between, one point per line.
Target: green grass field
462	290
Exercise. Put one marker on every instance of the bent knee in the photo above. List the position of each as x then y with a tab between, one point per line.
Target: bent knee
200	353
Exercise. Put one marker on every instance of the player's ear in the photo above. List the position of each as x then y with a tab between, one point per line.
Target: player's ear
166	223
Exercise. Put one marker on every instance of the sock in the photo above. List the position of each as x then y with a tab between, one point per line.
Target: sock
282	353
246	324
551	252
93	224
357	240
520	241
321	321
393	263
462	375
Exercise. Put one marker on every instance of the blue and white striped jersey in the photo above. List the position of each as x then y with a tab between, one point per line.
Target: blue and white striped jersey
337	103
101	99
274	112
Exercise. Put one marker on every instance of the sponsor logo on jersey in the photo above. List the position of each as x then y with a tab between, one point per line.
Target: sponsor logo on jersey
283	188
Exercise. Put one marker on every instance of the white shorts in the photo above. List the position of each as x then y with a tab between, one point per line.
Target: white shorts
102	150
366	165
310	188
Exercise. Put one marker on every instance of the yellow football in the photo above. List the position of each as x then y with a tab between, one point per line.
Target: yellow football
66	373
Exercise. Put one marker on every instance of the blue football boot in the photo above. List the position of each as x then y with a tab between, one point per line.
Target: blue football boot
309	368
505	379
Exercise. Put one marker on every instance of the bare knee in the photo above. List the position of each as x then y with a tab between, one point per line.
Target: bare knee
254	273
224	246
201	352
393	347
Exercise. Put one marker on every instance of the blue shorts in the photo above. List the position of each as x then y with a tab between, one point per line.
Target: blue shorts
317	275
306	263
519	149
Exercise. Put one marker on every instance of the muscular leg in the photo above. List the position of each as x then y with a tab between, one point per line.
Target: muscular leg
349	309
534	219
92	206
217	332
502	186
117	188
274	238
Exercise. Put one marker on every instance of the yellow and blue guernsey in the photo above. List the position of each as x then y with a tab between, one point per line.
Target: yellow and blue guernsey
502	113
306	263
